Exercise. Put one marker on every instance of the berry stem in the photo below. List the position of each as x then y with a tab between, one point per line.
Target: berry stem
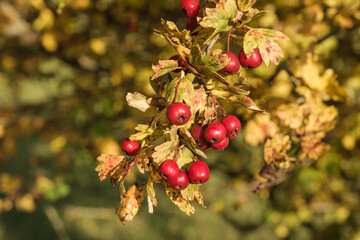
228	40
217	103
243	27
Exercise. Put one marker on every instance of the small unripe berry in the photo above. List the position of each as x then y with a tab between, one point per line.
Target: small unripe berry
178	113
180	181
181	63
253	61
190	8
215	133
233	65
198	172
130	147
221	145
232	125
168	169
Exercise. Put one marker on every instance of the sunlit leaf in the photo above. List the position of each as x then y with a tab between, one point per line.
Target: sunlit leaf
137	100
179	201
130	203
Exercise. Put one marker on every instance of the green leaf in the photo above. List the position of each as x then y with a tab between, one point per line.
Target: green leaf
183	204
183	160
143	131
215	61
186	91
164	67
159	83
138	101
222	17
167	149
251	14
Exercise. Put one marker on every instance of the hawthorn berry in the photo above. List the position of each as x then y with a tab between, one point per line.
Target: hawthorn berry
130	147
190	8
253	61
168	169
215	133
192	24
221	145
178	113
181	62
197	132
180	181
233	65
232	125
198	172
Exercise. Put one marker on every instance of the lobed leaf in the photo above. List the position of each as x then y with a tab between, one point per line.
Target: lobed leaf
245	5
113	166
222	17
183	204
246	102
164	67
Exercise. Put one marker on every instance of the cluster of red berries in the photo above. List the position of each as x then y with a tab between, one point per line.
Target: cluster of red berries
253	61
178	179
217	134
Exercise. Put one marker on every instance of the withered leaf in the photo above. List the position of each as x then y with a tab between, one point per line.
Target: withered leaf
151	195
138	101
189	192
130	203
181	203
113	166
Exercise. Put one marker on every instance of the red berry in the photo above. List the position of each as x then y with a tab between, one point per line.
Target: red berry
181	62
178	113
233	66
253	61
215	133
232	125
190	8
168	169
180	181
130	147
197	132
192	24
198	172
221	145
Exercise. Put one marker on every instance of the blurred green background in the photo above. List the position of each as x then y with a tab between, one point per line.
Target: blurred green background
63	81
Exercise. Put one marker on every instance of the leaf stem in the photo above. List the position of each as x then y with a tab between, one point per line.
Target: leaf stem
177	89
243	27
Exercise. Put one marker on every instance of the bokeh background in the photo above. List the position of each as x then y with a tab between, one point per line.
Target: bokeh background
63	81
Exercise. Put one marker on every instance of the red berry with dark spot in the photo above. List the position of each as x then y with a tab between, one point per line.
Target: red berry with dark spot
197	133
130	147
180	181
233	65
181	62
190	8
232	125
168	169
215	133
178	113
192	24
198	172
221	145
253	61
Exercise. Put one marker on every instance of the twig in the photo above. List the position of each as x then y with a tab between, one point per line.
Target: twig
56	222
